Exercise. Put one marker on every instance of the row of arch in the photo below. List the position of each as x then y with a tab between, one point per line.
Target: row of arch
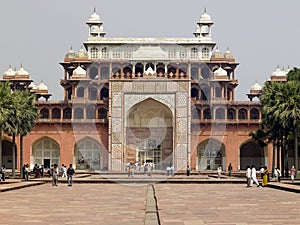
130	70
92	93
90	112
222	113
205	92
194	53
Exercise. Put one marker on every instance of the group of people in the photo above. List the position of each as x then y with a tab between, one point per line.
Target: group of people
132	167
64	172
53	172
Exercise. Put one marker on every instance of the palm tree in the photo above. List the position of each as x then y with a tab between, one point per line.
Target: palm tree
288	110
5	106
27	115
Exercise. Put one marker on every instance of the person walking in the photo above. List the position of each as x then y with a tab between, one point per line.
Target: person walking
219	171
293	173
265	177
188	171
253	176
229	169
26	172
3	171
54	173
63	171
248	176
279	174
70	173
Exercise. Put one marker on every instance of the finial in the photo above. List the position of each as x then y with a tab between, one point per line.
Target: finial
228	48
71	48
94	9
278	66
9	66
205	9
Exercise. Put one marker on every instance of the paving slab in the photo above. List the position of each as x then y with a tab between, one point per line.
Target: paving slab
225	204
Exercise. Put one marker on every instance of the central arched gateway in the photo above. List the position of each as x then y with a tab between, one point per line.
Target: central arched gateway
149	134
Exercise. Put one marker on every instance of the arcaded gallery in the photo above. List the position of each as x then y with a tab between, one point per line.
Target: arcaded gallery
168	101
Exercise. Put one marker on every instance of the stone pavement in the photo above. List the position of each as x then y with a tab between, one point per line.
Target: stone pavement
186	201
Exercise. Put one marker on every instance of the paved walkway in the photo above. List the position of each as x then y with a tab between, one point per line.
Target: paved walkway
180	201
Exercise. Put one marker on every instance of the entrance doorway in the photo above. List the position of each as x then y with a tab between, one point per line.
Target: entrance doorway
149	134
46	163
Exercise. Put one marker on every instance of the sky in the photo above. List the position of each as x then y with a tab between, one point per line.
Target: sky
260	34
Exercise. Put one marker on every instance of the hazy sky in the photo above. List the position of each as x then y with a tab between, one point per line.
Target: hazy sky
260	34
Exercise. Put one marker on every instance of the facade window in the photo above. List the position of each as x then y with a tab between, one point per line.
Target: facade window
205	53
205	73
56	113
220	114
104	53
90	113
194	74
44	113
78	113
127	55
104	93
231	114
104	73
195	93
116	55
93	93
242	114
172	55
196	113
94	73
94	53
218	92
80	92
182	55
67	113
207	114
194	53
102	113
254	114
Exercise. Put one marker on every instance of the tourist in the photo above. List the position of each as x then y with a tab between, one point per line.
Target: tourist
248	176
253	176
168	170
70	173
54	173
277	174
3	171
265	177
293	173
188	170
26	172
261	171
219	171
63	171
172	171
229	169
42	171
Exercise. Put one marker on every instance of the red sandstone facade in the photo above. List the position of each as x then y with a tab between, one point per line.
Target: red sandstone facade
204	126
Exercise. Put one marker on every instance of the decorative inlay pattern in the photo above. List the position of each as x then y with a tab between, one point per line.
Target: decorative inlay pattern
181	164
117	99
149	87
138	87
183	86
116	86
116	150
182	125
128	87
117	138
116	124
116	164
181	150
161	87
116	112
182	99
171	86
181	112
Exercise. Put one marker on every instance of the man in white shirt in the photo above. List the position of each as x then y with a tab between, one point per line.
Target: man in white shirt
253	176
248	176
